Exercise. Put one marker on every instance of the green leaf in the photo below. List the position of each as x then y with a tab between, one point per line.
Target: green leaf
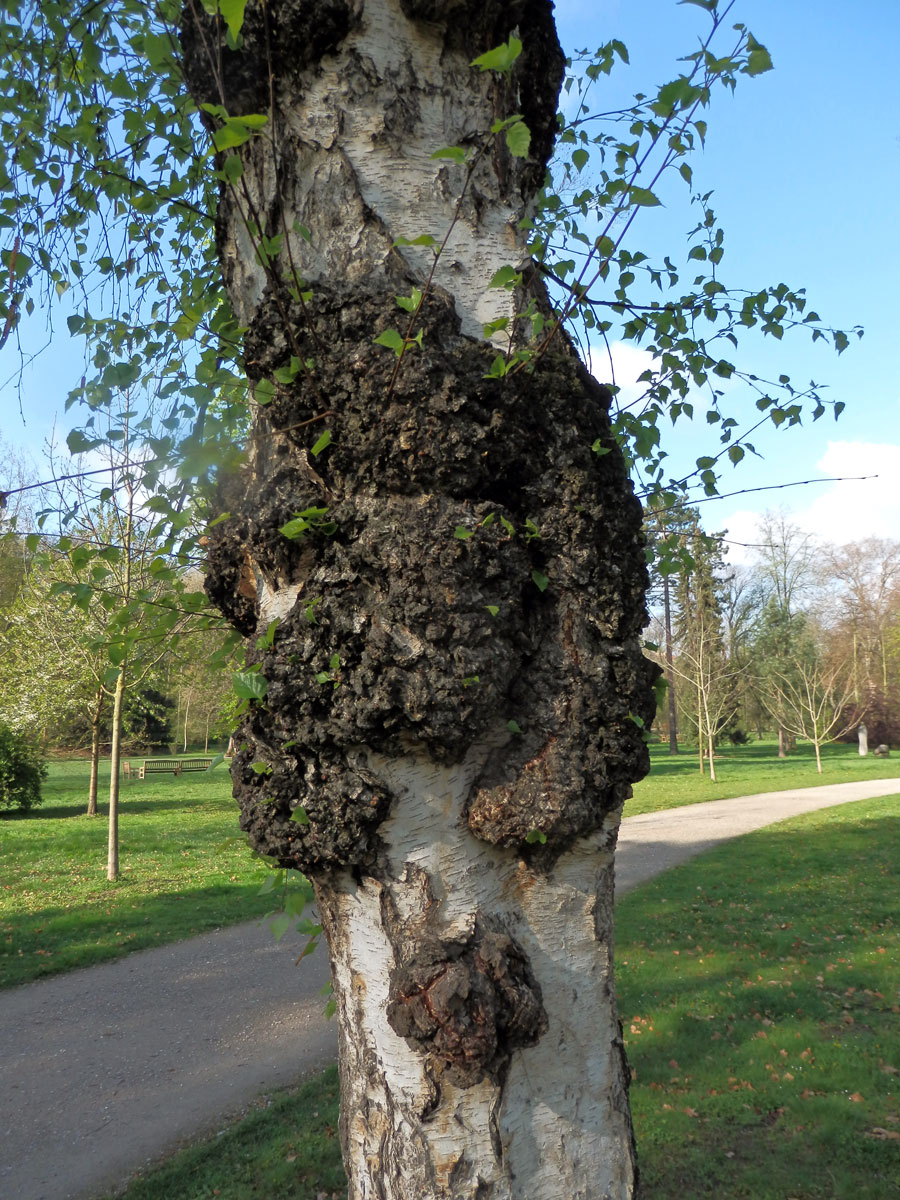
299	815
392	339
249	685
518	139
117	652
513	726
264	391
268	638
260	768
759	60
232	168
411	302
424	239
599	449
493	327
279	925
493	609
643	197
580	158
462	533
535	835
233	14
501	58
321	443
540	581
507	277
457	153
79	444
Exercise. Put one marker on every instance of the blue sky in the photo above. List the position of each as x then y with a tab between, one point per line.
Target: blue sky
804	164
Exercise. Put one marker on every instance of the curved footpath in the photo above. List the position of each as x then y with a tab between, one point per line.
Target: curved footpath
105	1069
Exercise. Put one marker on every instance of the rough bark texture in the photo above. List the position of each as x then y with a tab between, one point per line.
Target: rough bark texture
462	864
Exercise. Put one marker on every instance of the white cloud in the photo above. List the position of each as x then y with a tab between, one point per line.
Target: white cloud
845	511
621	363
855	509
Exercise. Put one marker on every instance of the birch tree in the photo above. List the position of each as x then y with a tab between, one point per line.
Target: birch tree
445	730
423	525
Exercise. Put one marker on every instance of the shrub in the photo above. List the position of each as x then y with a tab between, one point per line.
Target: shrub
21	770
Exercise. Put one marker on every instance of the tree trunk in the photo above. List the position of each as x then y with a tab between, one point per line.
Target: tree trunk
95	751
507	1004
670	671
451	740
112	855
782	743
712	755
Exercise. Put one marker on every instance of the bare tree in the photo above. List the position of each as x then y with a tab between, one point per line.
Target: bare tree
813	697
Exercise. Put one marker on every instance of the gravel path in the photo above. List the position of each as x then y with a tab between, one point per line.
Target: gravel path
109	1068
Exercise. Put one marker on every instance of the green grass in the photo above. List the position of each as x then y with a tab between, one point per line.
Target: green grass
286	1148
185	869
675	780
759	994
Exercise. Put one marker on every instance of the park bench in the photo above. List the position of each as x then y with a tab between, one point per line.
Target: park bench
160	766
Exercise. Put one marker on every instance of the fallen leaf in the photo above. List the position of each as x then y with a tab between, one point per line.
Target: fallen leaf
883	1135
856	1098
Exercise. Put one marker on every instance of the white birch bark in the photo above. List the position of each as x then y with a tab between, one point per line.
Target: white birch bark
436	904
556	1127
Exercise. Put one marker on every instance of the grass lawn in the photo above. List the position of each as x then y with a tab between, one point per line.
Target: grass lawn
185	868
745	770
759	993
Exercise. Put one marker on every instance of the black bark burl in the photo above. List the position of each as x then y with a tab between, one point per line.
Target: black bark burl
420	619
478	571
468	1003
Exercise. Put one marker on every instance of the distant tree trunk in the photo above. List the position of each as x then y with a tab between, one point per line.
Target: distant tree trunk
96	717
700	727
782	743
451	740
670	670
112	856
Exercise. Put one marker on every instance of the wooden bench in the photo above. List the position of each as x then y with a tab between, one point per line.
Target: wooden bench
164	766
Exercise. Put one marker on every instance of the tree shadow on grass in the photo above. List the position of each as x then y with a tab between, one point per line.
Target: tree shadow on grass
56	812
120	922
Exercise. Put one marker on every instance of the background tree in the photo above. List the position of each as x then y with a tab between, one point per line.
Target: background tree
710	696
864	580
810	694
786	568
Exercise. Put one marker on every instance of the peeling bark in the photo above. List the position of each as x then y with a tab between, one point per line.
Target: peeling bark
460	739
